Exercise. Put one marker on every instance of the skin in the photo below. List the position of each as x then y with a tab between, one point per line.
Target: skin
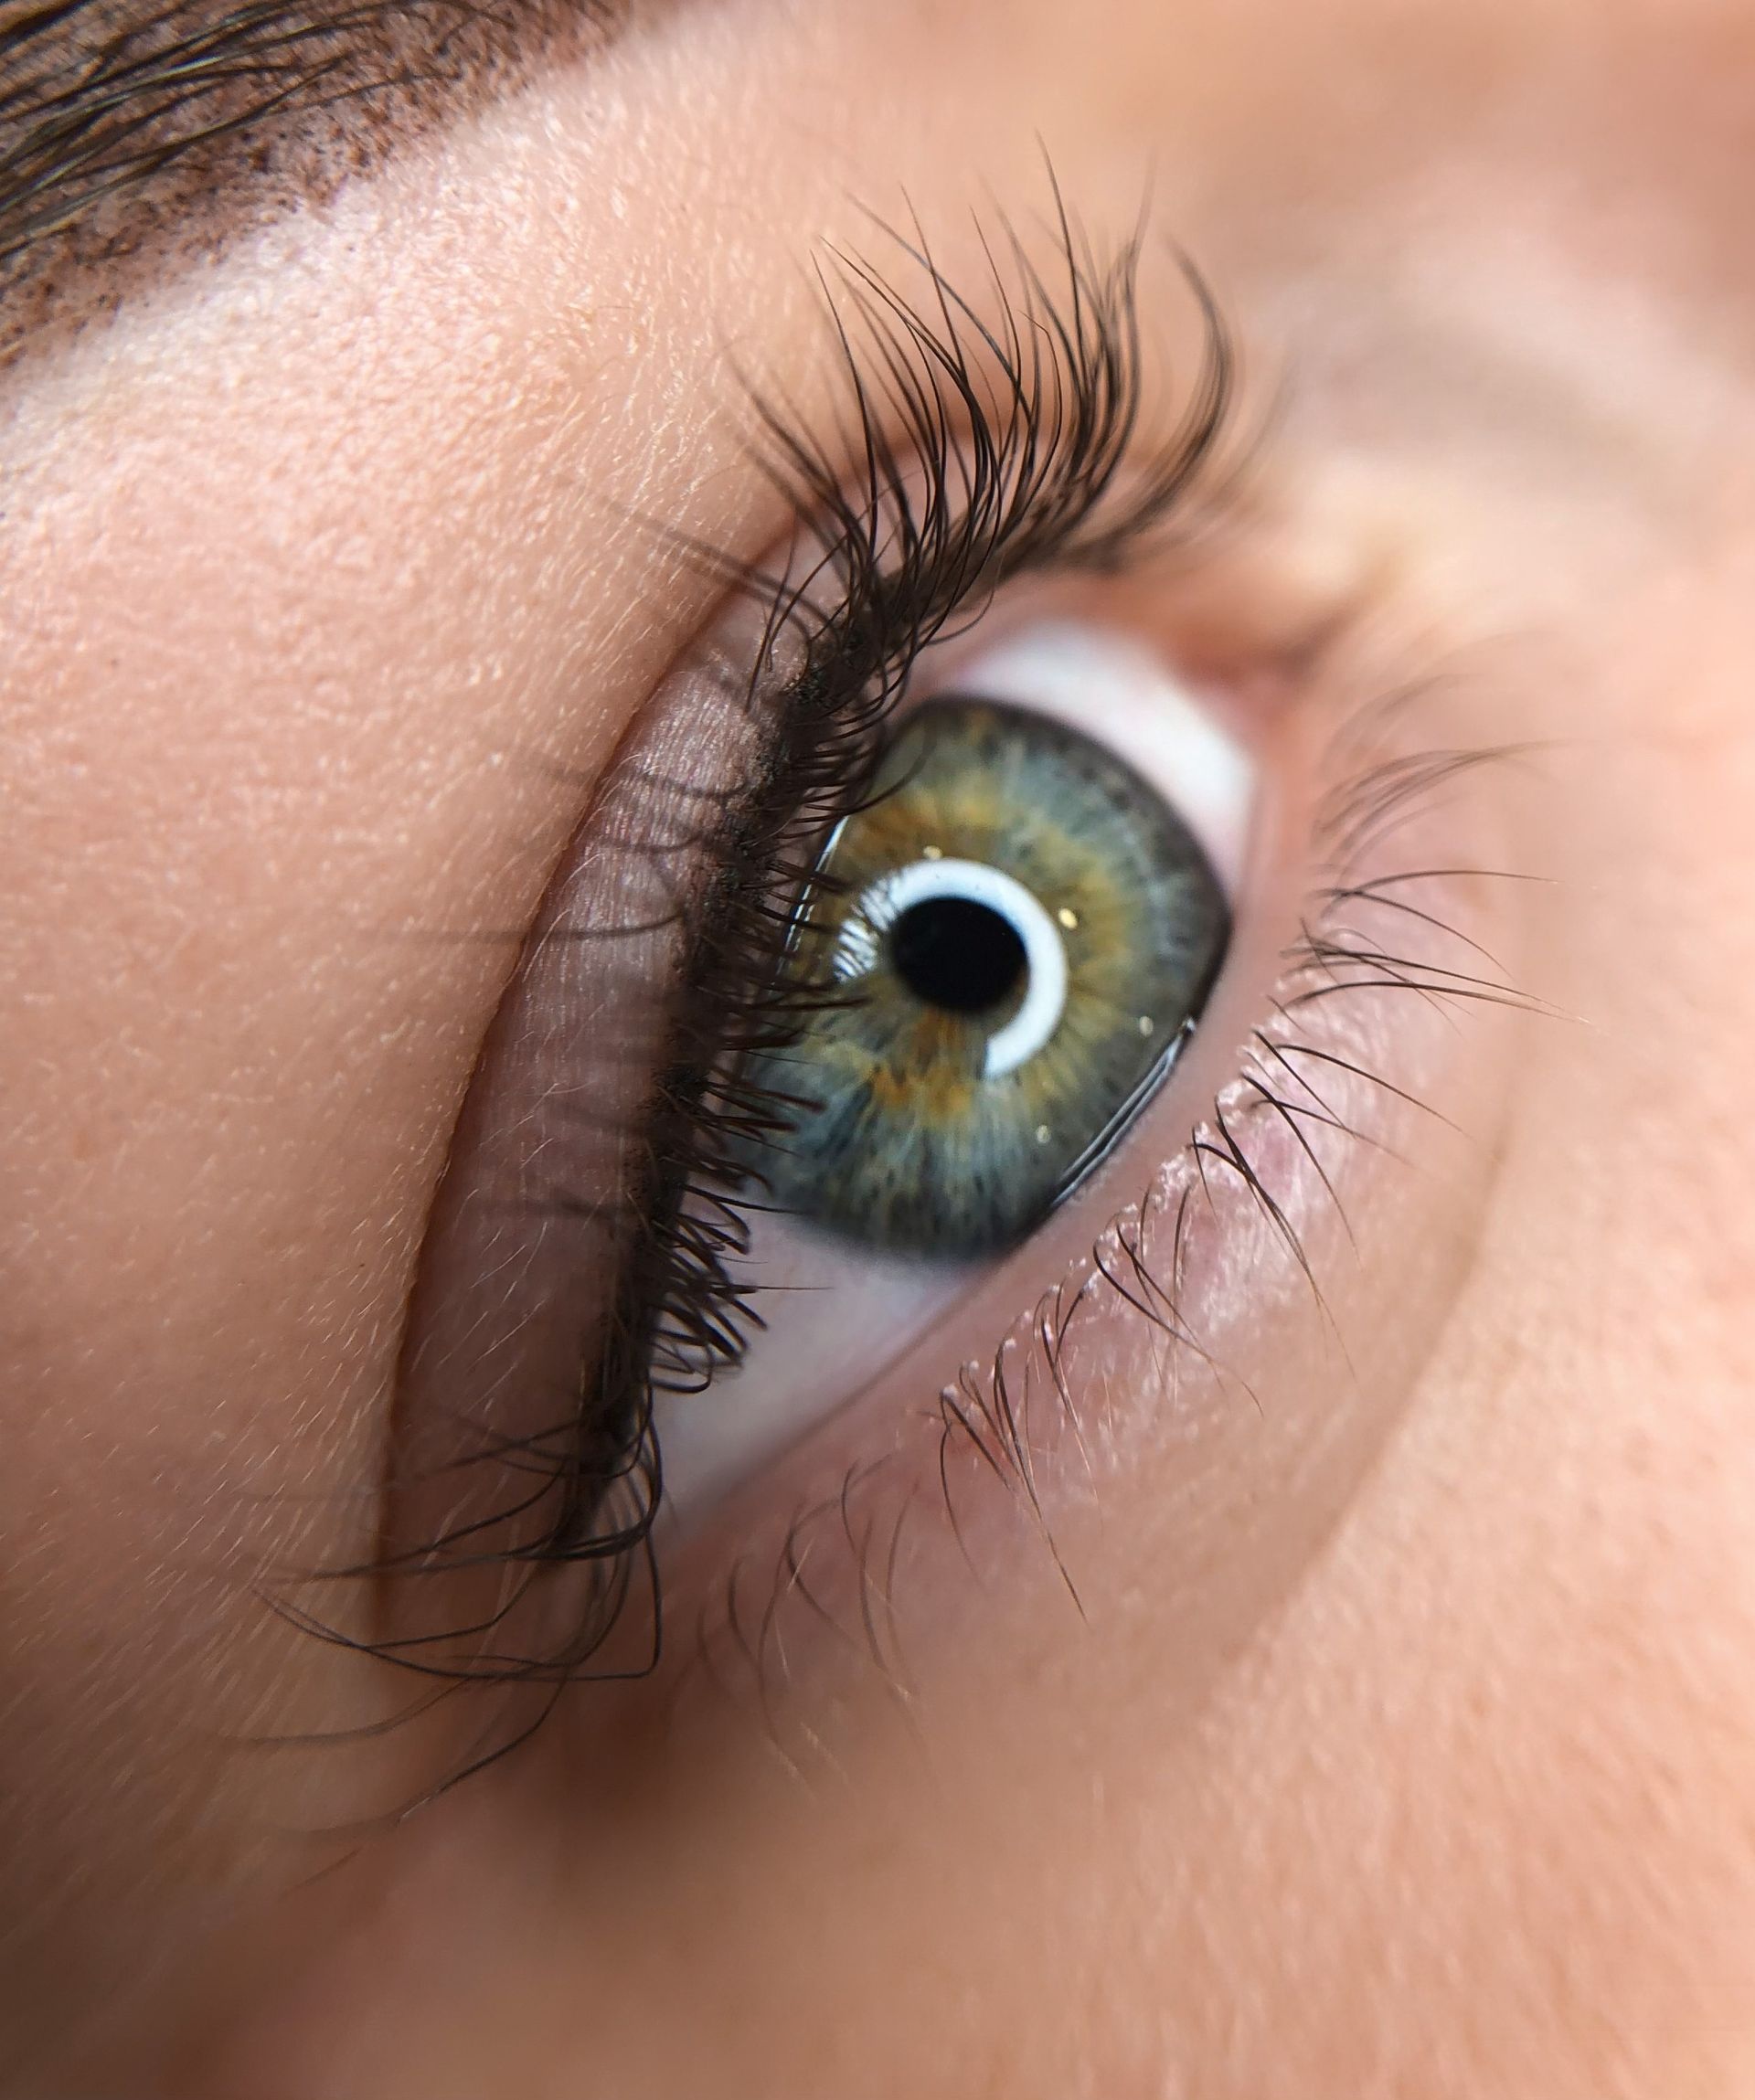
1399	1741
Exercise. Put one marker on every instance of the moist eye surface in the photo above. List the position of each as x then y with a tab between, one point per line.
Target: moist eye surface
1009	942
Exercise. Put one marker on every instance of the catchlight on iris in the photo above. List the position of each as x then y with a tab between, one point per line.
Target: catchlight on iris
1003	950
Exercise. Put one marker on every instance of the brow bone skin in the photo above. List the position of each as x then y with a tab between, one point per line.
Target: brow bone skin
136	134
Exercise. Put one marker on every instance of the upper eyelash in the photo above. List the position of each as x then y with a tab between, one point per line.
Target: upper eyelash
984	450
983	446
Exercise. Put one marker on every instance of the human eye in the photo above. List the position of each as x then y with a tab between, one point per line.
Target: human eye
984	914
530	762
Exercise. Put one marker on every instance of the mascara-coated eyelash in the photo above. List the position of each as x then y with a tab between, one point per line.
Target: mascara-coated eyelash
992	437
984	449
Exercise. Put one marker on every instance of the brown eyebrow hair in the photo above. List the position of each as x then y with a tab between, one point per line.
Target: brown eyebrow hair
134	133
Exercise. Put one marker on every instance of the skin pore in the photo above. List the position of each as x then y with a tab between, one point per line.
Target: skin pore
1398	1739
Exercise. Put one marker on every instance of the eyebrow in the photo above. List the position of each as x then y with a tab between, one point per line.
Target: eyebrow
136	134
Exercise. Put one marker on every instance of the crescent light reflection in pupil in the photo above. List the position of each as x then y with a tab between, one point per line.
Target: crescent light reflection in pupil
859	945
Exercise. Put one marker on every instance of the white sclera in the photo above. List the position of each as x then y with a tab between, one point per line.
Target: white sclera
1114	689
836	1313
1044	953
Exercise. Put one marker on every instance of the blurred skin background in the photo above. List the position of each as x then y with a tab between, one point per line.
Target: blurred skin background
1379	1719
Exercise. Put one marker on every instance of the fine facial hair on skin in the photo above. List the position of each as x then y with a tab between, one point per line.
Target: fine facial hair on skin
282	647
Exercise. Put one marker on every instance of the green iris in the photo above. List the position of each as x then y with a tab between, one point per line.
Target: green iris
1015	933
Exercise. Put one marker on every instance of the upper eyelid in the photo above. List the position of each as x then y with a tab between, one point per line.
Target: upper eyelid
1032	452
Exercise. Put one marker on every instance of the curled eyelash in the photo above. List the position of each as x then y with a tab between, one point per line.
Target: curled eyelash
986	451
985	435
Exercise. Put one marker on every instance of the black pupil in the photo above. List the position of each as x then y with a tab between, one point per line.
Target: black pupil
955	953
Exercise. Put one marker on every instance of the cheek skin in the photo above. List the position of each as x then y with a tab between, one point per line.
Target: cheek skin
1508	1735
1467	1813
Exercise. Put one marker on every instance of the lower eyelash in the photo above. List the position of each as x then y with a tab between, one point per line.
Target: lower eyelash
996	1421
1003	1419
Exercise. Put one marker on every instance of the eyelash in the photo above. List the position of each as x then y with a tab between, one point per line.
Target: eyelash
969	474
836	1562
982	451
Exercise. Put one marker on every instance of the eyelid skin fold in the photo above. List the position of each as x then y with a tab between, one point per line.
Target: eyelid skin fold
513	1330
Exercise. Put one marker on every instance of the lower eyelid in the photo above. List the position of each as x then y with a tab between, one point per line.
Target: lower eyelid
1305	1231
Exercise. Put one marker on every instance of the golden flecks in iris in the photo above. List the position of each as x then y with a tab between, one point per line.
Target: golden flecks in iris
909	1144
936	1093
932	1068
